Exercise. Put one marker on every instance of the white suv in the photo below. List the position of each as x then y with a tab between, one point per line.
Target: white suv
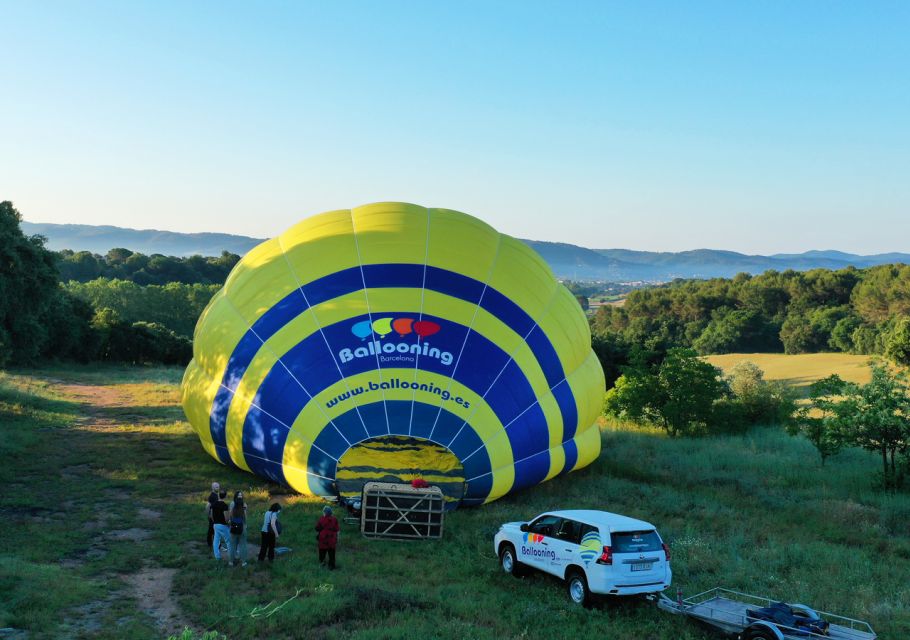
595	552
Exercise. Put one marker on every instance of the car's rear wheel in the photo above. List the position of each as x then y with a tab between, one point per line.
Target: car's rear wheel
509	562
577	587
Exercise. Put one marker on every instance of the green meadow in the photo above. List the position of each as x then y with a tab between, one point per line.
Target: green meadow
103	496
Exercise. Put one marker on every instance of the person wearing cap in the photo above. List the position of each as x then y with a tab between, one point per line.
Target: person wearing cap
327	536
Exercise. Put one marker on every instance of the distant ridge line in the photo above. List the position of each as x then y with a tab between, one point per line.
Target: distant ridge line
568	261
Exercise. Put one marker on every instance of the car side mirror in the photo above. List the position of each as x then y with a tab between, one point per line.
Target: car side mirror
524	526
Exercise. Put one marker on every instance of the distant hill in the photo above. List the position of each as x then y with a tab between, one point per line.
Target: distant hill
566	260
101	239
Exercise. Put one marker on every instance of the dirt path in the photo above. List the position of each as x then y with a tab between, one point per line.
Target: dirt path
105	409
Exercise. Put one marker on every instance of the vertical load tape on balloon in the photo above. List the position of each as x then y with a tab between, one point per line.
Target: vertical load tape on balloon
390	342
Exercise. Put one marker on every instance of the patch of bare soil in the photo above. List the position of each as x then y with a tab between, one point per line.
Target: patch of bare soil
94	400
152	588
134	534
93	395
148	514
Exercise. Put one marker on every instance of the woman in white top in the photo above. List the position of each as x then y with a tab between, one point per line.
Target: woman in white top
270	531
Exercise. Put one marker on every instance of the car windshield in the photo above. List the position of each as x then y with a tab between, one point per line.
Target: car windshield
634	541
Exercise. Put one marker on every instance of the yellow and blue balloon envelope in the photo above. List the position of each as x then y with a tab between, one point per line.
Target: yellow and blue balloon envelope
389	342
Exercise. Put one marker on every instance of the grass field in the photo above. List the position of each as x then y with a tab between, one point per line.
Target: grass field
104	484
802	369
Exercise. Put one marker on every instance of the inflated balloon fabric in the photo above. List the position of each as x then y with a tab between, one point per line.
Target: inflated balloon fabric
390	342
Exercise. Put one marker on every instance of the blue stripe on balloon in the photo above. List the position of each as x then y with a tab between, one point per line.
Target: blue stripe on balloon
570	448
564	397
531	471
378	276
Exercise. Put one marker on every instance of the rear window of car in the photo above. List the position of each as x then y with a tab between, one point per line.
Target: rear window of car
634	541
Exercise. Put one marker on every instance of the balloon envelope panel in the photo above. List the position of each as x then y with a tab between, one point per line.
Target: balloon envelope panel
390	342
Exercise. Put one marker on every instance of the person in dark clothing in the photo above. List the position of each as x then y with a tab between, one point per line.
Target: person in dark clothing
213	498
219	520
327	528
270	531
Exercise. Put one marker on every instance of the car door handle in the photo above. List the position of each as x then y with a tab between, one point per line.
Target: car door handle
568	549
546	544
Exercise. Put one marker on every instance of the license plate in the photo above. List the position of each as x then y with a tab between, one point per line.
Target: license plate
641	566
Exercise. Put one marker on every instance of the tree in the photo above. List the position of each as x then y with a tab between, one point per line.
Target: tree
763	402
897	346
821	420
679	396
613	352
876	417
28	286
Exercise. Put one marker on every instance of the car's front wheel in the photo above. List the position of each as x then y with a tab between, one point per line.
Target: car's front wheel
509	562
577	587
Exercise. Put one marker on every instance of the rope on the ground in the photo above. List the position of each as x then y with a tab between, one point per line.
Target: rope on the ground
265	612
261	611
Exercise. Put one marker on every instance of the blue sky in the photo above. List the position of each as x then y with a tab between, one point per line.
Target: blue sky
758	127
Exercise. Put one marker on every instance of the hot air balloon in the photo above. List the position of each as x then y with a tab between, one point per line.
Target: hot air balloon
390	342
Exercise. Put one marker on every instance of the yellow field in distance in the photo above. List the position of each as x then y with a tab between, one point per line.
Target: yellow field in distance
802	369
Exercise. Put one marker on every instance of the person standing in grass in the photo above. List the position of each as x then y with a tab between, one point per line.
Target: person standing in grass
213	498
219	520
237	542
270	531
327	535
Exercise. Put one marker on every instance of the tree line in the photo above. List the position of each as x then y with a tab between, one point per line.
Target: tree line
156	269
864	311
686	396
42	318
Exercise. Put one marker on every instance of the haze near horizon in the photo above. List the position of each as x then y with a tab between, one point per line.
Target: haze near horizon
761	129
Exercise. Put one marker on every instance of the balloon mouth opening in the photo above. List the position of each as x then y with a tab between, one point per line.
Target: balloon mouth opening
400	459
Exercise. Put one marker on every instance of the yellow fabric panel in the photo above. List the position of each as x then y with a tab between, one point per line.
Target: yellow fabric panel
386	302
198	391
461	243
550	409
217	338
259	280
503	475
296	454
523	276
587	383
588	444
567	328
320	246
557	461
379	237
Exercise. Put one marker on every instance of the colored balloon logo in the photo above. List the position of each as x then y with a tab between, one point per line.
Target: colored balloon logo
484	382
383	326
402	325
425	328
362	329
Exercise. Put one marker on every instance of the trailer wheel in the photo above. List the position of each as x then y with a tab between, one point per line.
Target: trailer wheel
577	587
759	634
509	562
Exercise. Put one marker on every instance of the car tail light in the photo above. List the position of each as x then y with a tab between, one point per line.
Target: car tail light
606	557
666	550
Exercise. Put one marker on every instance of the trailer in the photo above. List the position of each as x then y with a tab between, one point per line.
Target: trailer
735	615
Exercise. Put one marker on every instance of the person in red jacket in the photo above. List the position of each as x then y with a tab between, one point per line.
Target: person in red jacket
327	535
